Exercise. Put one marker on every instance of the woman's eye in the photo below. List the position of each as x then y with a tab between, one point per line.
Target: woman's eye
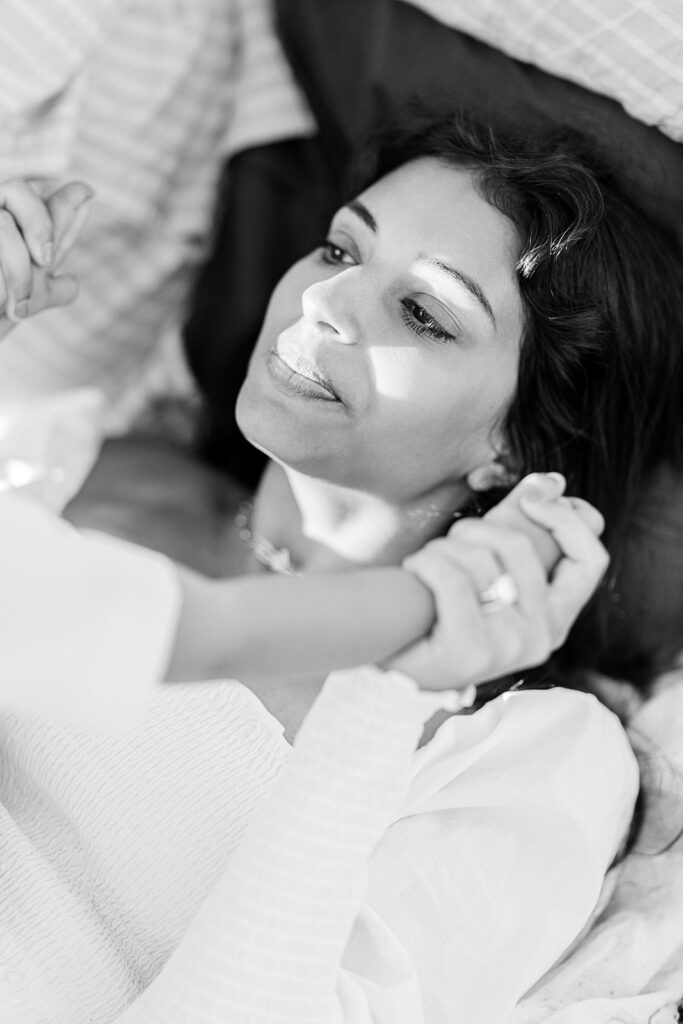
421	322
335	254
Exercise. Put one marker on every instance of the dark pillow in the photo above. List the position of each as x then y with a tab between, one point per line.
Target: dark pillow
274	205
359	60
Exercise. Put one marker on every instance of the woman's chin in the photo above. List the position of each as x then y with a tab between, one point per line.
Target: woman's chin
282	423
266	426
252	420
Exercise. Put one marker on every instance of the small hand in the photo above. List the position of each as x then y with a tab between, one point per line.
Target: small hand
470	643
35	235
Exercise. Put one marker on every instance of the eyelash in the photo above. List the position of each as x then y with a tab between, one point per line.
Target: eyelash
326	255
411	311
425	326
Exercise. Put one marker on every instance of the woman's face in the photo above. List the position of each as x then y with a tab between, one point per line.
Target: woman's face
388	355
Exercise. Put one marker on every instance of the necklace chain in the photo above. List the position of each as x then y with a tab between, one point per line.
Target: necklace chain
278	560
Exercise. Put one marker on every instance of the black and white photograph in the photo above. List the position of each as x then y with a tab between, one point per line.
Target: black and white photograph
341	511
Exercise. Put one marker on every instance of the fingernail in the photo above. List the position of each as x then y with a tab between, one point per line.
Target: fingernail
21	309
48	252
542	486
534	493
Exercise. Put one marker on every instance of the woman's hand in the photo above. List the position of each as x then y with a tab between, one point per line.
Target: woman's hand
478	636
35	235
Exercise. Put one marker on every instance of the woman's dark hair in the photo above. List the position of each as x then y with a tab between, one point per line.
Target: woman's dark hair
599	392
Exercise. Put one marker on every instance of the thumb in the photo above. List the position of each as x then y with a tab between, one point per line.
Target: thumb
69	207
48	291
61	291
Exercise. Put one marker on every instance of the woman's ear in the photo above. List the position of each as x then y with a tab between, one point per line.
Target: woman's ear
491	475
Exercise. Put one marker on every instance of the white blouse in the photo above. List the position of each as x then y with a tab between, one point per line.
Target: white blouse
192	867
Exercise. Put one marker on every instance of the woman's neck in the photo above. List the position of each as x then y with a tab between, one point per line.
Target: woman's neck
327	527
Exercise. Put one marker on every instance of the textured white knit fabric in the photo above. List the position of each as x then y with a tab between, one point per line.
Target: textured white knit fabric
192	868
87	620
453	912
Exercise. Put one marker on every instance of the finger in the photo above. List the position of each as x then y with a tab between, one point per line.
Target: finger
584	561
32	217
17	273
458	611
507	512
451	584
523	632
593	519
69	207
482	646
516	553
570	525
61	291
50	290
428	565
494	639
478	563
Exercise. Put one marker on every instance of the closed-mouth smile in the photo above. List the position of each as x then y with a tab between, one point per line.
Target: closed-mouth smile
302	373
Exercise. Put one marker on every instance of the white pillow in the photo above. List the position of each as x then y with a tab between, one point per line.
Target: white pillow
629	50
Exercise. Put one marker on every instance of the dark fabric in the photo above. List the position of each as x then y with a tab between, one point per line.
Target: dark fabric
646	622
359	61
275	205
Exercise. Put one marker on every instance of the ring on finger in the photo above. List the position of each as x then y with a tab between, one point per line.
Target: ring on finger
500	594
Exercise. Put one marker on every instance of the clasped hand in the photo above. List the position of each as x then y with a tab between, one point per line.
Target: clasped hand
470	643
36	233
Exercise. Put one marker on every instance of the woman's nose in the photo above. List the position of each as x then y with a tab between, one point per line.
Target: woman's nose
329	306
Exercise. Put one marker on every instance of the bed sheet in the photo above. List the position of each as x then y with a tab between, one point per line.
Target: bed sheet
628	969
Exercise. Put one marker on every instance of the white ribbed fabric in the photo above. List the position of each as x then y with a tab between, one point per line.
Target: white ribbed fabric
351	880
313	909
109	842
451	923
630	50
137	99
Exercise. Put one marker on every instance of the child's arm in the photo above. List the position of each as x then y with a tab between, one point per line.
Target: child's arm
272	625
276	625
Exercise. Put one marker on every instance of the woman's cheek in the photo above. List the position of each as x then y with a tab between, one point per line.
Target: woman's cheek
400	373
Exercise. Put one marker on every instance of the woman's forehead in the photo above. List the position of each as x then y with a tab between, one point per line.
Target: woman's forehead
433	205
428	212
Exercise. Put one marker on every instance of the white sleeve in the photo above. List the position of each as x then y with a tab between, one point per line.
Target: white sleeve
327	915
88	621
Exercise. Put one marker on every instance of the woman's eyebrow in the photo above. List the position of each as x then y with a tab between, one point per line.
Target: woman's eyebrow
355	206
472	287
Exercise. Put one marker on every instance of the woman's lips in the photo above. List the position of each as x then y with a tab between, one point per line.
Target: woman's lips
300	375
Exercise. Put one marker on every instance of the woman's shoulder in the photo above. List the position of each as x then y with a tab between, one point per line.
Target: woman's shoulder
556	751
573	724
